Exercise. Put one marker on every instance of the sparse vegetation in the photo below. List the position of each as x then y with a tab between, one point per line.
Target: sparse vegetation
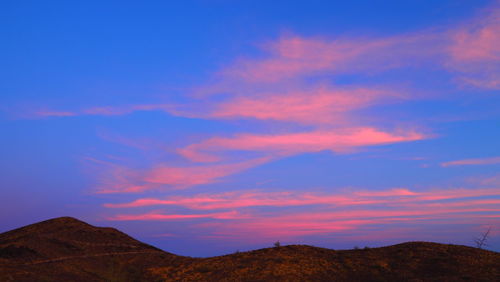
277	244
481	240
414	261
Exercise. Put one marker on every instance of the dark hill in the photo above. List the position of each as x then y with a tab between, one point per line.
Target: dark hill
66	236
66	249
412	261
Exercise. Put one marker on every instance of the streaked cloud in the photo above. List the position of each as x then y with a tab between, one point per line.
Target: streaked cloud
475	52
160	216
294	56
340	140
298	225
106	110
240	199
120	179
236	214
53	114
322	105
280	78
478	161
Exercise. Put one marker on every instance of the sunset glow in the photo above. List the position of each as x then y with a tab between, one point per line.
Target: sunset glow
233	125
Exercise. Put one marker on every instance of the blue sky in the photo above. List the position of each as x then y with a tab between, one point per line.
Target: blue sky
203	127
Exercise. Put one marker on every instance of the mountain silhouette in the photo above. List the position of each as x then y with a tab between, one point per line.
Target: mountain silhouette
67	249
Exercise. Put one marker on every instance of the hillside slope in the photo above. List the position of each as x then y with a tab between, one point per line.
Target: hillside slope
66	249
72	250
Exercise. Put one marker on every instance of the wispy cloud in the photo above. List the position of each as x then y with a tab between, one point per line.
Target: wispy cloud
478	161
53	114
339	140
276	214
162	216
321	105
295	56
280	78
298	225
120	179
475	52
392	197
106	110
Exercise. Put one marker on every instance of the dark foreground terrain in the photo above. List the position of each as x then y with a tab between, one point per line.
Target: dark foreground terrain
66	249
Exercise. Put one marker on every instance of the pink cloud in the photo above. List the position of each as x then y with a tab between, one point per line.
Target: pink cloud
111	110
470	50
296	225
479	40
54	114
391	215
478	161
180	176
162	217
118	179
49	113
318	106
326	212
387	193
282	228
457	193
239	200
461	203
493	180
112	177
484	80
392	197
294	56
475	51
294	143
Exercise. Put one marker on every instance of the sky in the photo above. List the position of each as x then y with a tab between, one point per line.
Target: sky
207	127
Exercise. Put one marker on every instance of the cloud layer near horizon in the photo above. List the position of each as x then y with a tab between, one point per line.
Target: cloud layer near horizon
325	213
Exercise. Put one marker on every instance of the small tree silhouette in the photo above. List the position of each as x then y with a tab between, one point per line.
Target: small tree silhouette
277	244
481	240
